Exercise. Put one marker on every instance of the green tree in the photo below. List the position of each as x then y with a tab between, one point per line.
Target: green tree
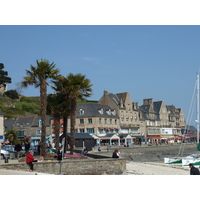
78	87
62	92
12	94
39	77
54	103
11	136
4	79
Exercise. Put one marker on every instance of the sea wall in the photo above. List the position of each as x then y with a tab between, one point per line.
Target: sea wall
158	153
74	167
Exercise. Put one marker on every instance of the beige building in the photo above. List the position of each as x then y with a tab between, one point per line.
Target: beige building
161	121
127	111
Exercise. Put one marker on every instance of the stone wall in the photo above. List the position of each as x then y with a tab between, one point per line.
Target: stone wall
74	167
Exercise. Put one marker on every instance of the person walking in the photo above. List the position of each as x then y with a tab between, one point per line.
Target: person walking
29	160
193	170
18	148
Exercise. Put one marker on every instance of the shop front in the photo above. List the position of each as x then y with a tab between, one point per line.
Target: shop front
36	139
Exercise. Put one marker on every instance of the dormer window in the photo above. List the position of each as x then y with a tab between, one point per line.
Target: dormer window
101	111
114	112
81	112
40	122
108	112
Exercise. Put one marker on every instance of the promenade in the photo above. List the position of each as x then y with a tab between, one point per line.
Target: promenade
144	160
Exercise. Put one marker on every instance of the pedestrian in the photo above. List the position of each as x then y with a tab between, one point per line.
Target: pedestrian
99	148
84	151
60	154
193	170
27	146
18	148
30	159
116	154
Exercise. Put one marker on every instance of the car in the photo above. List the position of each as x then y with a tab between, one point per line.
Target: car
5	154
11	150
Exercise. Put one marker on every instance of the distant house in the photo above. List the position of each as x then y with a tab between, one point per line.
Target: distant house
29	127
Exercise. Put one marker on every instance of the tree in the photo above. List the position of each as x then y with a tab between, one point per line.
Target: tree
54	107
78	87
11	136
4	79
62	92
12	94
39	77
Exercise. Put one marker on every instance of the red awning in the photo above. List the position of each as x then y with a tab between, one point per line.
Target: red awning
182	136
154	136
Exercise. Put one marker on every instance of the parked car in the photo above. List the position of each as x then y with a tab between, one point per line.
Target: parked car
11	150
5	154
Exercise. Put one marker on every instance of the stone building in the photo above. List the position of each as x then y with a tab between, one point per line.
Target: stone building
100	121
161	121
126	110
29	127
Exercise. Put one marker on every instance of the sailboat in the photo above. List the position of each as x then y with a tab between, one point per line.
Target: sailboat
193	158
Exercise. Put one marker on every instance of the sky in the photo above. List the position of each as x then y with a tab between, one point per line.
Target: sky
158	62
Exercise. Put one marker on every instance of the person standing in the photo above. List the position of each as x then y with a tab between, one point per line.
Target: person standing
60	154
18	148
27	146
193	170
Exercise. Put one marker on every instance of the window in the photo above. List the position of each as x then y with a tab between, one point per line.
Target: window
114	112
110	121
100	130
21	134
100	121
116	121
100	111
108	112
82	130
38	132
81	121
81	112
90	130
89	121
40	122
105	121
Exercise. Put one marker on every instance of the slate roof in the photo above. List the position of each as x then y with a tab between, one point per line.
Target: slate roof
82	136
118	98
92	110
25	122
156	107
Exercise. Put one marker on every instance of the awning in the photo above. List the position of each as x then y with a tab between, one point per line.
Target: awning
182	136
154	136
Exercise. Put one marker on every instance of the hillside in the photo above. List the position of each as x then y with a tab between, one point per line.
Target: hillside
24	106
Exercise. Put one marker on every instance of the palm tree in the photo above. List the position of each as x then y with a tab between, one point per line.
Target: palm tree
62	90
78	87
53	107
39	77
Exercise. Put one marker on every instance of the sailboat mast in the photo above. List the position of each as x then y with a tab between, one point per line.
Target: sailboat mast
197	93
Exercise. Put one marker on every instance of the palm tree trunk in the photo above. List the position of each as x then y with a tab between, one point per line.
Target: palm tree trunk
43	95
57	128
65	125
73	122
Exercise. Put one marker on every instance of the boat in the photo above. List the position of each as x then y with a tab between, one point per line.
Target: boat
193	158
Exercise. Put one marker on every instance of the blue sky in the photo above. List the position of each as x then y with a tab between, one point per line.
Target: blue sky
158	62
